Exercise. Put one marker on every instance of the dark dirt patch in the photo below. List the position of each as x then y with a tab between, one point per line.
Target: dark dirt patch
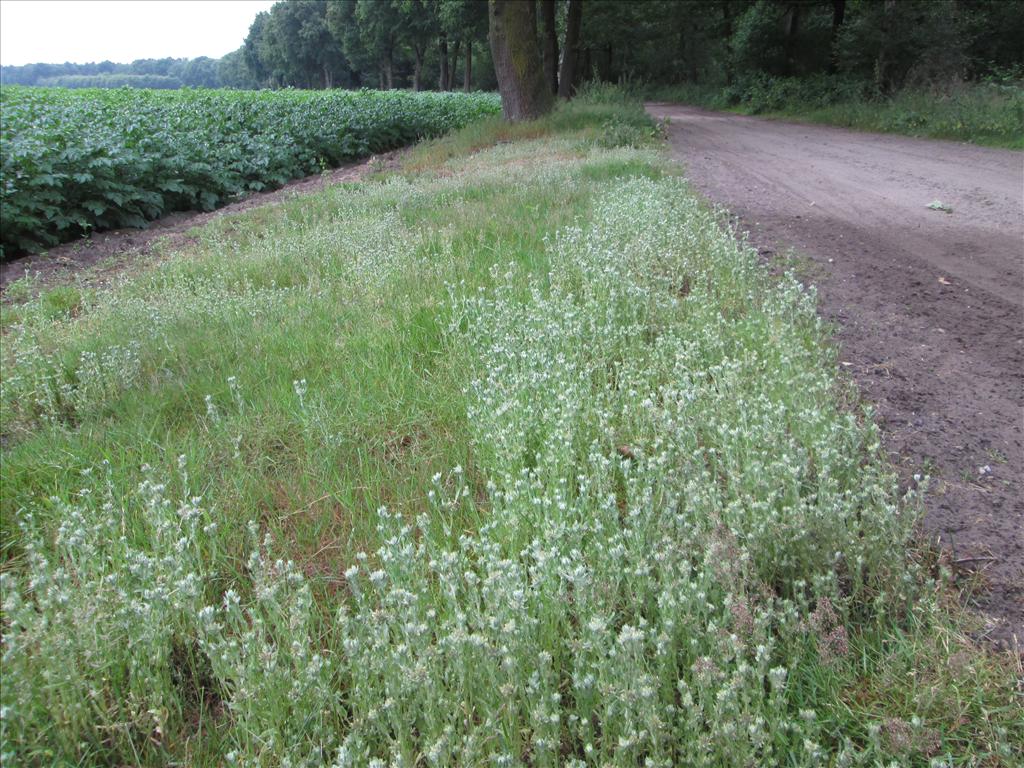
929	306
112	251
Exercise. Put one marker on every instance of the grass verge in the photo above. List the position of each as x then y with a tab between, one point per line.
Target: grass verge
516	458
981	113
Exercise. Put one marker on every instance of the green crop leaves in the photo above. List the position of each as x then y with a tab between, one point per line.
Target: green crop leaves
84	160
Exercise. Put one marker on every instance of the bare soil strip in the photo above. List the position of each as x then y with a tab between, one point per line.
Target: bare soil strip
928	304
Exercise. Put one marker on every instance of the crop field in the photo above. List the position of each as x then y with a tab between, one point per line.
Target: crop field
514	458
76	161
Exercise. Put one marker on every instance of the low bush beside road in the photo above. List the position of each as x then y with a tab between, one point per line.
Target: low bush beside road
990	113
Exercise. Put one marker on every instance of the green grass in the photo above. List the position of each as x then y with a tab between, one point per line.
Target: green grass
981	113
514	457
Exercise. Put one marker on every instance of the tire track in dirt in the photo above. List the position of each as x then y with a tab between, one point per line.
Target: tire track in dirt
929	306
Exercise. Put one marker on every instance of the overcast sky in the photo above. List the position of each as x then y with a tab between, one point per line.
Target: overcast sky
80	31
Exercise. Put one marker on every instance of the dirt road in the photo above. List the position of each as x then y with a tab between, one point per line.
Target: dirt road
929	305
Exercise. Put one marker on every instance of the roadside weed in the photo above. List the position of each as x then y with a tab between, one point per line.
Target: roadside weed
520	460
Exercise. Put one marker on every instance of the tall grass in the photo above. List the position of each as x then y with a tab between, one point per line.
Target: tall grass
519	459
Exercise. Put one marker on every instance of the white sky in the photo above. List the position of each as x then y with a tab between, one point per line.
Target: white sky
80	31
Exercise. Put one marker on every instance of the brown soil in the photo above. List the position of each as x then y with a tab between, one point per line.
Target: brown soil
114	250
929	306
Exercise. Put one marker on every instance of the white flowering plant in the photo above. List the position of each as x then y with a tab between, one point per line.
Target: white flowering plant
523	460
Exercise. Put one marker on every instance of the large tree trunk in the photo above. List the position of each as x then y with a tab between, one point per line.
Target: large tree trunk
443	78
517	60
454	65
570	50
549	35
467	76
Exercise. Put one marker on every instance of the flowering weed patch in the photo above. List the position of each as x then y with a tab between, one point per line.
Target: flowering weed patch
542	468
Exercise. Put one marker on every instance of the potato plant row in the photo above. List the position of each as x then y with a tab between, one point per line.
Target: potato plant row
74	161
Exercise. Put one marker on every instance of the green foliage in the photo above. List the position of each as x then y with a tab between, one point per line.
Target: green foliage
985	113
597	108
380	30
760	42
112	81
232	71
292	46
914	42
307	44
624	123
760	92
463	18
627	517
618	133
201	72
384	43
982	114
78	161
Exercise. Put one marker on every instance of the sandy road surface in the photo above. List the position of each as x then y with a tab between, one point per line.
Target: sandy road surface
929	305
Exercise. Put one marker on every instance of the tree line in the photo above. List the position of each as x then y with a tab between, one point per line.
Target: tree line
887	43
201	72
871	45
417	44
831	49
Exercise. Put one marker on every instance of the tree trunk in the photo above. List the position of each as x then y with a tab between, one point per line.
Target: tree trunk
727	29
838	17
791	27
690	55
454	65
882	80
467	76
517	60
549	35
570	50
417	67
443	78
